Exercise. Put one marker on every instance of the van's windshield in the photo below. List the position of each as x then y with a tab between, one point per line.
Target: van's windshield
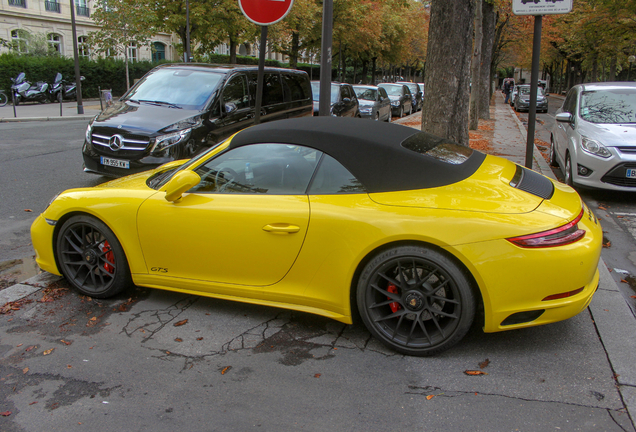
176	88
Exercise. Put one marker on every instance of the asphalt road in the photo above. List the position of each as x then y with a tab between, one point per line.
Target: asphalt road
71	363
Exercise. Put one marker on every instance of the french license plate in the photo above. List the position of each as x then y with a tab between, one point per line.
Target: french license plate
117	163
631	173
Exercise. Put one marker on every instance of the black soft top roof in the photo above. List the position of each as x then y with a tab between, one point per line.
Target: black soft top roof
371	151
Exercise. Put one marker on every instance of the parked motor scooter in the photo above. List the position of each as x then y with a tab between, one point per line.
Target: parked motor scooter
62	88
24	91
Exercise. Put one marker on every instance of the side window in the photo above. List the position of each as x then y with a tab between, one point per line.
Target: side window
272	89
343	92
235	93
293	85
569	105
275	169
333	178
383	93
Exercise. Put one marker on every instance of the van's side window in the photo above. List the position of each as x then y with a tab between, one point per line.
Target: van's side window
272	89
295	87
235	92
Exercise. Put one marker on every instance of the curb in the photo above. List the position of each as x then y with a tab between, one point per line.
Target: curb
27	119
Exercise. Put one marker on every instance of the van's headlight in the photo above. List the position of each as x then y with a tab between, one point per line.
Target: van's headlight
191	122
89	130
163	142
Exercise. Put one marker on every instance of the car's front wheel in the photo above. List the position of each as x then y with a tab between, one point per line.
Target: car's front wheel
553	158
416	300
91	258
568	170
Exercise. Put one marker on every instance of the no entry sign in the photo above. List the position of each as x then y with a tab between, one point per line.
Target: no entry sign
265	12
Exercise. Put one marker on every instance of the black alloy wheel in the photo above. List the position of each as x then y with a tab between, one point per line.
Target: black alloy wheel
91	258
415	300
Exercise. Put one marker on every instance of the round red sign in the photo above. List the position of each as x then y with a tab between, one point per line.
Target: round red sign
265	12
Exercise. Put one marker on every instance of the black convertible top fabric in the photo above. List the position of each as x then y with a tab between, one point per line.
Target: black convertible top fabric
370	150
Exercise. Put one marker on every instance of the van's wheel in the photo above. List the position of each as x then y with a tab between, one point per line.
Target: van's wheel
415	300
91	258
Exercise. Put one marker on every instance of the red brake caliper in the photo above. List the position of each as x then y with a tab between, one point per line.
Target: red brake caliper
395	306
110	256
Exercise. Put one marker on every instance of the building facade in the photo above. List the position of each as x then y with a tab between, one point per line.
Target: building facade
22	19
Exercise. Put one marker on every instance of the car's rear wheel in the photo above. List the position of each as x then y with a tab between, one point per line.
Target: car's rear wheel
553	158
91	258
415	300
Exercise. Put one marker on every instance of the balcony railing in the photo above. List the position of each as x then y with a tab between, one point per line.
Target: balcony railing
52	6
82	11
20	3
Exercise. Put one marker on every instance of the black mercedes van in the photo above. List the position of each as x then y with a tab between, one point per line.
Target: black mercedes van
176	110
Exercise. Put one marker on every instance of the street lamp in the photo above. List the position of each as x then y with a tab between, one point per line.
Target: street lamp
631	59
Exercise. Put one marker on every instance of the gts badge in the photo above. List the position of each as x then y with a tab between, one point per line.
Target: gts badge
159	269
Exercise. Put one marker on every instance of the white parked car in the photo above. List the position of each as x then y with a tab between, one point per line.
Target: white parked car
594	140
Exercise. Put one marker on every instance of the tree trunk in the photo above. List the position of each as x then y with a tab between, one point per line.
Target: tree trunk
485	92
126	64
233	49
365	71
612	71
295	44
475	68
373	61
445	109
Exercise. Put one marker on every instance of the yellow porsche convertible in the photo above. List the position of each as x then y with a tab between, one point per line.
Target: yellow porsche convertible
338	217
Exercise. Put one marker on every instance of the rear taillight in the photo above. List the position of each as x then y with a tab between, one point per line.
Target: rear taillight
564	235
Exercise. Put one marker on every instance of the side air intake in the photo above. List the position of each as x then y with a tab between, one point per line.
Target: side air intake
532	182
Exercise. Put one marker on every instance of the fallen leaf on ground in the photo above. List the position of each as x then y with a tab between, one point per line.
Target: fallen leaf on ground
474	372
225	369
28	210
48	351
608	244
180	323
633	296
623	280
602	207
33	403
484	364
27	349
5	414
199	338
317	375
65	342
178	340
429	397
25	370
69	367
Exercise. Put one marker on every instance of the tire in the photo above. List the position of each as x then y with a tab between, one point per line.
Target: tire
553	157
91	258
568	171
390	117
401	111
433	303
3	99
376	116
411	110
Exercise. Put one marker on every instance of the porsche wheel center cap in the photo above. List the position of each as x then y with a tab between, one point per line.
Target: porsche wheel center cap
90	256
414	301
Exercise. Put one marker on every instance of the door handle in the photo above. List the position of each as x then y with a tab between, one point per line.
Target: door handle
281	228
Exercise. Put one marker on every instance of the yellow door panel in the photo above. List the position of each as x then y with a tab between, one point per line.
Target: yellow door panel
227	238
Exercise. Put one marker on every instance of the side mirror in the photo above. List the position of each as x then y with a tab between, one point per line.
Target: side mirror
346	100
230	108
564	117
181	182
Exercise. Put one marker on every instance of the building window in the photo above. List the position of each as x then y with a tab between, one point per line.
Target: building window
19	3
52	6
81	8
20	41
221	49
55	42
132	51
158	51
83	48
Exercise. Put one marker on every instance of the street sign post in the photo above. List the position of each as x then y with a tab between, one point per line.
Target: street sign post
538	8
263	13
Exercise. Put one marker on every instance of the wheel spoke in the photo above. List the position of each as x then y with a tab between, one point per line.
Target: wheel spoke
442	313
397	327
444	299
423	327
78	249
390	316
385	303
436	322
393	297
389	279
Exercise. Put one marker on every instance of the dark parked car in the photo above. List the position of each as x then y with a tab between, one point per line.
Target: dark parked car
374	103
522	99
401	99
344	102
177	110
416	92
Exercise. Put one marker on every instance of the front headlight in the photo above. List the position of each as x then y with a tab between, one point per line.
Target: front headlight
366	110
89	130
395	103
53	199
191	122
594	147
166	141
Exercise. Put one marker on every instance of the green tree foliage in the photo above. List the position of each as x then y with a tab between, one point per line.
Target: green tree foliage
123	23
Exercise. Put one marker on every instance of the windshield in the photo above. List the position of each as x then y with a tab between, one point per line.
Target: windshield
366	93
182	88
393	90
609	106
315	90
525	91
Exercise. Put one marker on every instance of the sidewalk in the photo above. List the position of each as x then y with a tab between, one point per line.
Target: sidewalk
49	112
504	135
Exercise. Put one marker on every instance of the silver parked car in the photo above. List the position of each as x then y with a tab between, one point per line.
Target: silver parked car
594	140
374	102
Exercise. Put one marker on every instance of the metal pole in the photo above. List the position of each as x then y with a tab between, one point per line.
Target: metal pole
325	58
261	76
534	80
187	31
78	82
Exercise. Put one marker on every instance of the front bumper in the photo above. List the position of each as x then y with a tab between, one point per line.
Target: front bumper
42	238
610	173
92	163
